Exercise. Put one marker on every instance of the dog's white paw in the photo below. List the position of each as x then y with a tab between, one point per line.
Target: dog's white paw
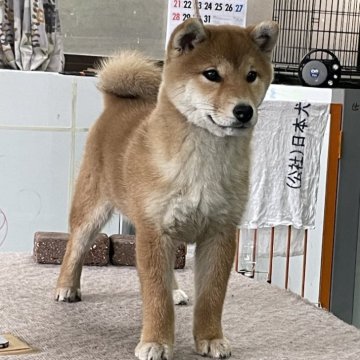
67	294
216	348
180	297
153	351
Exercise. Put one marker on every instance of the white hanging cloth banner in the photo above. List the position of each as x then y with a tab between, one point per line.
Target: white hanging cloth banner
285	164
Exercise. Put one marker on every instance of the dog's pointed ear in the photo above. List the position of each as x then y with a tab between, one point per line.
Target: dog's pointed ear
186	36
265	36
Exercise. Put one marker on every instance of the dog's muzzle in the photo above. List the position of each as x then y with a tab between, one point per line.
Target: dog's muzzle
243	113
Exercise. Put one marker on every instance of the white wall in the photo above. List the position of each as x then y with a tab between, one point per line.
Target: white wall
44	119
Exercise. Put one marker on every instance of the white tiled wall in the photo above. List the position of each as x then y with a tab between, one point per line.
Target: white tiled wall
35	99
44	120
88	103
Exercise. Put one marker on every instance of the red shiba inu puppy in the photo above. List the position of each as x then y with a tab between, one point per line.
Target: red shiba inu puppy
171	152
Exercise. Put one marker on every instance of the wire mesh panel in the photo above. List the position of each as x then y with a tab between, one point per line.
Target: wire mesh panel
317	24
277	255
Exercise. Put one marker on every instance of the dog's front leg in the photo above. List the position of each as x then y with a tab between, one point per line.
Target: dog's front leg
213	261
155	260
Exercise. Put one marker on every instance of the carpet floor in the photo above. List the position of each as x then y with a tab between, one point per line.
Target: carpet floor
261	321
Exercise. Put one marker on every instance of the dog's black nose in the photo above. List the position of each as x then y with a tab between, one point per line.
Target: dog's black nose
243	113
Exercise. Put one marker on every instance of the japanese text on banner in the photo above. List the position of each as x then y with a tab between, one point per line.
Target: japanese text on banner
296	160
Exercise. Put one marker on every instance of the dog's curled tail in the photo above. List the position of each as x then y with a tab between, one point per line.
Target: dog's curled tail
130	74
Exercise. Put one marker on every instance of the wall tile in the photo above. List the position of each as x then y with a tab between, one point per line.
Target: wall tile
35	99
89	103
33	184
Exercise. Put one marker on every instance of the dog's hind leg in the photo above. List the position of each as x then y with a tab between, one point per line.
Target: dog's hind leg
88	214
82	237
155	255
213	261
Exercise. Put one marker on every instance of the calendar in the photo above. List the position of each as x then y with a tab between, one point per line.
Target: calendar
232	12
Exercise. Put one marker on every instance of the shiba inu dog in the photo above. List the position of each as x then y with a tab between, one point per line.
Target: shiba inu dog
171	151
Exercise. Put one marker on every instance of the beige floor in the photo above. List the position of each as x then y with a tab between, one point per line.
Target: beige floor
261	321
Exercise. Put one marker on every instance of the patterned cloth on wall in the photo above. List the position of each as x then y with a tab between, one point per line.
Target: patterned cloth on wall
30	35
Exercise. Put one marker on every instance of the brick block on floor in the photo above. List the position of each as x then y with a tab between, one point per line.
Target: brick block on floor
180	256
123	251
49	248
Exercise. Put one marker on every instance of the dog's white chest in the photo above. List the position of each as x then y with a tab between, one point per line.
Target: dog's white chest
198	202
202	189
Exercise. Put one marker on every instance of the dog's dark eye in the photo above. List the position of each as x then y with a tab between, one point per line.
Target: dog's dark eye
212	75
251	76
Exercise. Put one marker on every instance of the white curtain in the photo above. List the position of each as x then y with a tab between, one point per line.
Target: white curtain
30	35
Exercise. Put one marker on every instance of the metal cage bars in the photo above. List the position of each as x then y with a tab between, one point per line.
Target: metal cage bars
251	272
306	25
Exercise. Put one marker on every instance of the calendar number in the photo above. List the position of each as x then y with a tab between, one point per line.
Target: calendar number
218	7
177	3
238	8
228	7
207	18
208	6
176	16
186	16
187	4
